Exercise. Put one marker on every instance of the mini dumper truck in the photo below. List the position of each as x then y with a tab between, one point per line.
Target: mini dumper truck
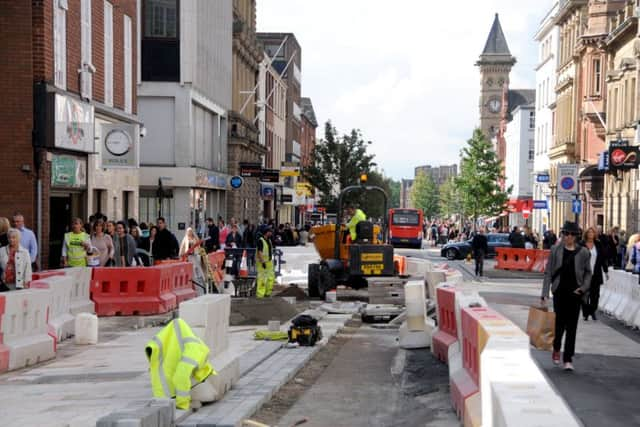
350	263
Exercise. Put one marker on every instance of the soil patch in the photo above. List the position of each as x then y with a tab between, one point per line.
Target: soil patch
293	291
251	311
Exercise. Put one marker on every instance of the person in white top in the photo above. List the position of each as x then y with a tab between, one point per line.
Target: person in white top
598	267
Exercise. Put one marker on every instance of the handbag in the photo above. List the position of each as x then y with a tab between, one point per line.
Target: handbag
541	327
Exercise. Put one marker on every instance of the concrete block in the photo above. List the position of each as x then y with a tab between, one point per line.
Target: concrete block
208	316
227	365
433	279
25	329
414	338
417	267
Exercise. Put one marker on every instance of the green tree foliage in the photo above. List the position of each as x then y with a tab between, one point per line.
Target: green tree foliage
480	176
394	197
424	195
450	202
338	162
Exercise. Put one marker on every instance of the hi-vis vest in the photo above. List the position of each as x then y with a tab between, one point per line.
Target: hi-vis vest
76	253
266	250
178	360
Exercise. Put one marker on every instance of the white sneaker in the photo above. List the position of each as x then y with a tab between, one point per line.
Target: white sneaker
568	366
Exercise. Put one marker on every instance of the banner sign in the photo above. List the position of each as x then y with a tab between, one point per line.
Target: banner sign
567	182
74	124
270	175
624	157
250	170
68	172
119	145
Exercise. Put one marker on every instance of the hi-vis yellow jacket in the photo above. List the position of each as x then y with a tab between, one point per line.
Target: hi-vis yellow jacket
178	360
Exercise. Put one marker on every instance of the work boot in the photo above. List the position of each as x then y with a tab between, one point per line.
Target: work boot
556	357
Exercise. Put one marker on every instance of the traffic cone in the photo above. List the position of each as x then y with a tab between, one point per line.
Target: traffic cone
244	270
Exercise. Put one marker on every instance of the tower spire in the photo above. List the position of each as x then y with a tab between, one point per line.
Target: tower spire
496	42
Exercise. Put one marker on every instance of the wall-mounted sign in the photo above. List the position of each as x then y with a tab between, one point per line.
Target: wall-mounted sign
207	179
623	158
286	198
267	192
119	147
543	178
236	182
603	161
250	170
74	124
567	182
540	204
287	171
68	172
270	175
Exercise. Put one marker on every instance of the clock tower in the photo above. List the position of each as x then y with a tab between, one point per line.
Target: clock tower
495	64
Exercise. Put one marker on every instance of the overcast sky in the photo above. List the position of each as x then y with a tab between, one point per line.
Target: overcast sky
402	71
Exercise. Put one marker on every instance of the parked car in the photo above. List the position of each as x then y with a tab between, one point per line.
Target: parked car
460	250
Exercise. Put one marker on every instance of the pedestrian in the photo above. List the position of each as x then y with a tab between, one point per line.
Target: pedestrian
530	240
434	234
480	247
111	228
249	236
15	262
622	249
76	245
124	247
165	245
223	231
213	242
516	238
4	228
264	263
549	239
234	239
613	241
102	242
28	239
568	276
189	242
599	266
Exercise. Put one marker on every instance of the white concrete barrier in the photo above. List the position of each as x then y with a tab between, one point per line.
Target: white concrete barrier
628	283
24	327
81	294
208	317
417	267
615	285
61	322
433	278
632	307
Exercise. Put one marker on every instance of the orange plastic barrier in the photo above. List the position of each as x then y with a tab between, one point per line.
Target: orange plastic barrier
182	286
400	264
4	350
446	334
515	259
540	264
133	290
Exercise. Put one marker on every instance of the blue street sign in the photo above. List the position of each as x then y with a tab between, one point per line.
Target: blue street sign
539	204
576	206
543	178
236	182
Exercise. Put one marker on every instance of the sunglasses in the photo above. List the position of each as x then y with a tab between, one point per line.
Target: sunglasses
570	233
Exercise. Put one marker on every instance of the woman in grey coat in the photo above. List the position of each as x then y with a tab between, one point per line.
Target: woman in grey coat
568	275
124	246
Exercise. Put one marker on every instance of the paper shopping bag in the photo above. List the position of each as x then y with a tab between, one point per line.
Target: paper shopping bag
541	327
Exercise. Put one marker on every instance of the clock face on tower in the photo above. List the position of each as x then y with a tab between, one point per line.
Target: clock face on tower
494	105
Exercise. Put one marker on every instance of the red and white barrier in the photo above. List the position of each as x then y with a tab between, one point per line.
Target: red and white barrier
61	322
25	327
81	294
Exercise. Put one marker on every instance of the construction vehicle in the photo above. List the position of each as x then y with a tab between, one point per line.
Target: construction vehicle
350	263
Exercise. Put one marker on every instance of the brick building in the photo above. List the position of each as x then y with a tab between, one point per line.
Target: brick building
74	99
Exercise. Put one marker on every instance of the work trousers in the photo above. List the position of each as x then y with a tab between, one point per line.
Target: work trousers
567	309
479	257
266	278
591	306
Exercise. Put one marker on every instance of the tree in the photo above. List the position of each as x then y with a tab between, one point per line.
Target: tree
424	195
450	203
480	178
338	162
394	196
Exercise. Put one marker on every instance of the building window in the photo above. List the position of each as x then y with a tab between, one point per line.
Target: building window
60	43
532	120
271	49
161	19
532	153
86	66
632	102
108	54
128	65
597	76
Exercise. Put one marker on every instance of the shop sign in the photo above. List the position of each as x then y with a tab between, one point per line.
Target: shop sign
623	157
304	188
119	145
74	124
68	172
542	178
603	161
270	175
210	180
287	171
286	198
250	170
567	182
540	204
267	192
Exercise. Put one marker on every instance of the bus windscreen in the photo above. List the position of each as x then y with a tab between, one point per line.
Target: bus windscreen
406	218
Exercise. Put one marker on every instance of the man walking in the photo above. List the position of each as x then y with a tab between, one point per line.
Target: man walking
480	247
165	245
27	239
516	238
568	276
264	264
212	243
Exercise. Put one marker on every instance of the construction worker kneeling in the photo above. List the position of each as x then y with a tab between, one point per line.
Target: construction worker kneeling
179	366
264	263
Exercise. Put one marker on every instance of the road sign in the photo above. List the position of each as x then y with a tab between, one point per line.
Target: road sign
539	204
526	213
236	182
567	182
543	178
576	206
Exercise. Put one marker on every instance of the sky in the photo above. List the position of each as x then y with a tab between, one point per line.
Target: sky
403	71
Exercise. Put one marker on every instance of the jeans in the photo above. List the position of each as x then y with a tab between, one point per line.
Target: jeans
479	257
591	306
567	309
